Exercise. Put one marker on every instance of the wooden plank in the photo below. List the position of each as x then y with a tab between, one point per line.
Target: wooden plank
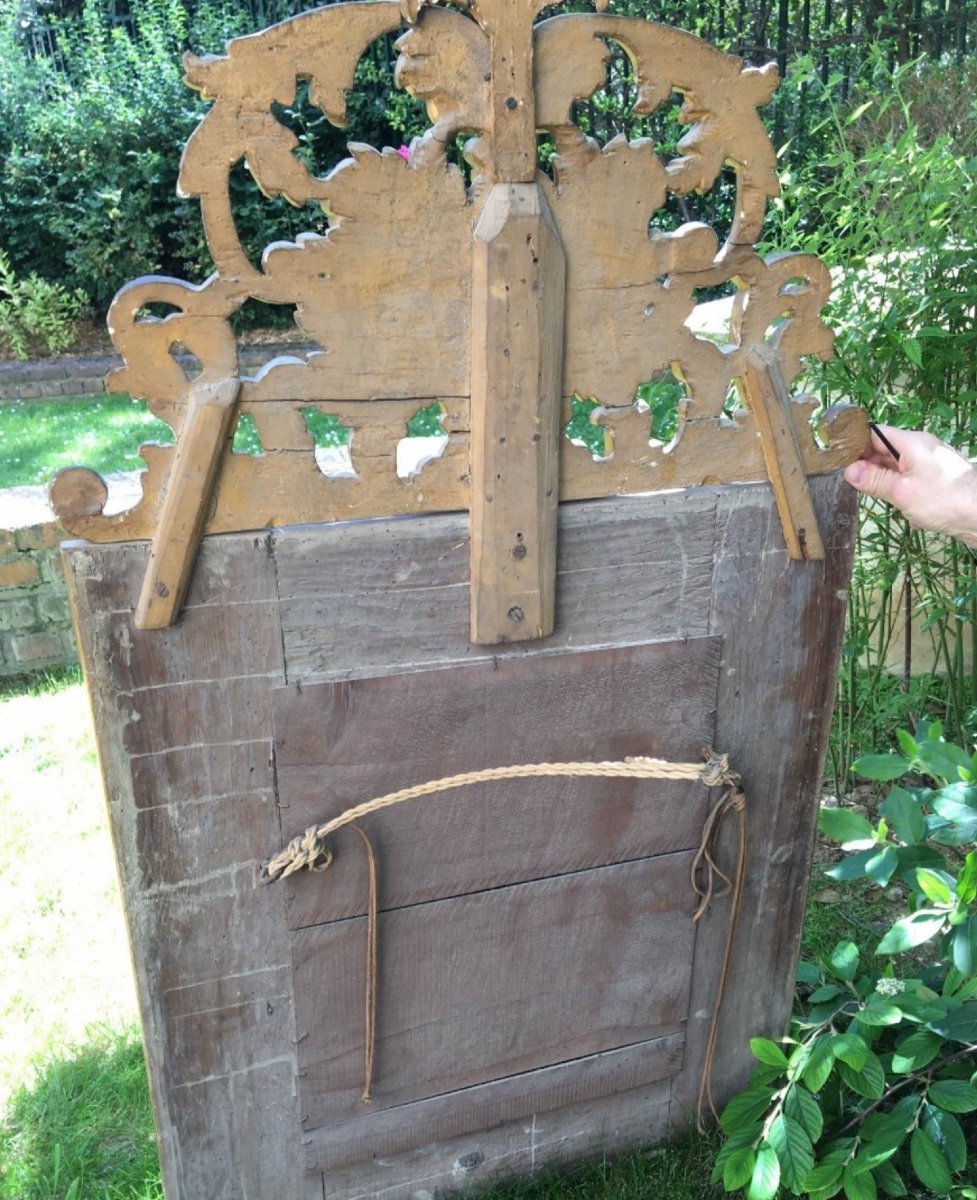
200	450
285	487
462	985
512	99
766	393
209	950
780	750
377	599
517	370
560	1138
493	1104
337	745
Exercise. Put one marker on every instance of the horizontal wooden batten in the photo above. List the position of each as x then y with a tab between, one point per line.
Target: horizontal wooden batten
494	1104
284	486
382	597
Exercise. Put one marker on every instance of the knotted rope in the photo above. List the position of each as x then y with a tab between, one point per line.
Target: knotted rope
309	850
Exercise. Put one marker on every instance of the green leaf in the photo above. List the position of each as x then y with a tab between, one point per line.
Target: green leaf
880	767
953	1095
868	1082
850	1049
911	858
847	827
889	1180
829	992
904	814
945	1130
879	1011
907	743
801	1107
736	1141
766	1175
807	973
911	931
738	1168
959	1024
928	1163
744	1109
824	1175
916	1051
793	1148
942	760
913	350
937	886
963	946
768	1052
843	960
852	866
962	817
882	865
858	1185
967	880
820	1065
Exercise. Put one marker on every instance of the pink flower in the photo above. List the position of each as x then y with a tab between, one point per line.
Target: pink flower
404	152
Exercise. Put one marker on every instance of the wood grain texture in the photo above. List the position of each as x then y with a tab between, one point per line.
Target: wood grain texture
518	279
394	246
490	985
780	748
200	449
766	393
337	745
491	1105
189	787
192	787
453	1166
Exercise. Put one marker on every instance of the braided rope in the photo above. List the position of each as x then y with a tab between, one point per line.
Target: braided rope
309	849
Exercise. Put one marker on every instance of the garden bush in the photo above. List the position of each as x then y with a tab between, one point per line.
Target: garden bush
876	1082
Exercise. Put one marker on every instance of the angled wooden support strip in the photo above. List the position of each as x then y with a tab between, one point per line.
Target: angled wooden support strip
768	399
518	281
193	477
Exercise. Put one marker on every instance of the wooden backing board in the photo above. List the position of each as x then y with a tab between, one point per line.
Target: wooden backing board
185	722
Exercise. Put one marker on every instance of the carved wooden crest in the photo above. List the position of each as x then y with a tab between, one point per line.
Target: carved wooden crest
507	308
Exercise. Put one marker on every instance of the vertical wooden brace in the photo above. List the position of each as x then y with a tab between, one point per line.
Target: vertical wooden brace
769	401
517	373
197	457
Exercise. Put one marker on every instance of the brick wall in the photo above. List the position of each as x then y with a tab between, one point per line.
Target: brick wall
35	621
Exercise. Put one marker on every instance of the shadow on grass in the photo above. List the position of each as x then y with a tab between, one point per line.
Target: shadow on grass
83	1128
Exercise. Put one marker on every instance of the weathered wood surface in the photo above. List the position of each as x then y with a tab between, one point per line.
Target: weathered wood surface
204	437
518	284
340	744
186	735
766	393
385	290
490	986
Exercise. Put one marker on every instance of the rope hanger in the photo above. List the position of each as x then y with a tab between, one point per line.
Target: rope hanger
310	851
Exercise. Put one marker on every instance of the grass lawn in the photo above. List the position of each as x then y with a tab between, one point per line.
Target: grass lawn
41	437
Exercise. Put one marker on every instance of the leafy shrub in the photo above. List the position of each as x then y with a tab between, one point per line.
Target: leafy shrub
36	314
876	1082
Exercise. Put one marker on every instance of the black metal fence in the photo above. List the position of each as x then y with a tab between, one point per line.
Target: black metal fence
834	32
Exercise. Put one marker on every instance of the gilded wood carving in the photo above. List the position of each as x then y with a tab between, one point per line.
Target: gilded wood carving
408	296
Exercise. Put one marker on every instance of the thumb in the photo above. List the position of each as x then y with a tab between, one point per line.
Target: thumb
871	480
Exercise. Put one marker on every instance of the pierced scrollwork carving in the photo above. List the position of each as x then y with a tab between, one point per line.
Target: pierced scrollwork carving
385	291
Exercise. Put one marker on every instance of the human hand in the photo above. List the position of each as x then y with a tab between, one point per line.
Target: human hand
931	483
